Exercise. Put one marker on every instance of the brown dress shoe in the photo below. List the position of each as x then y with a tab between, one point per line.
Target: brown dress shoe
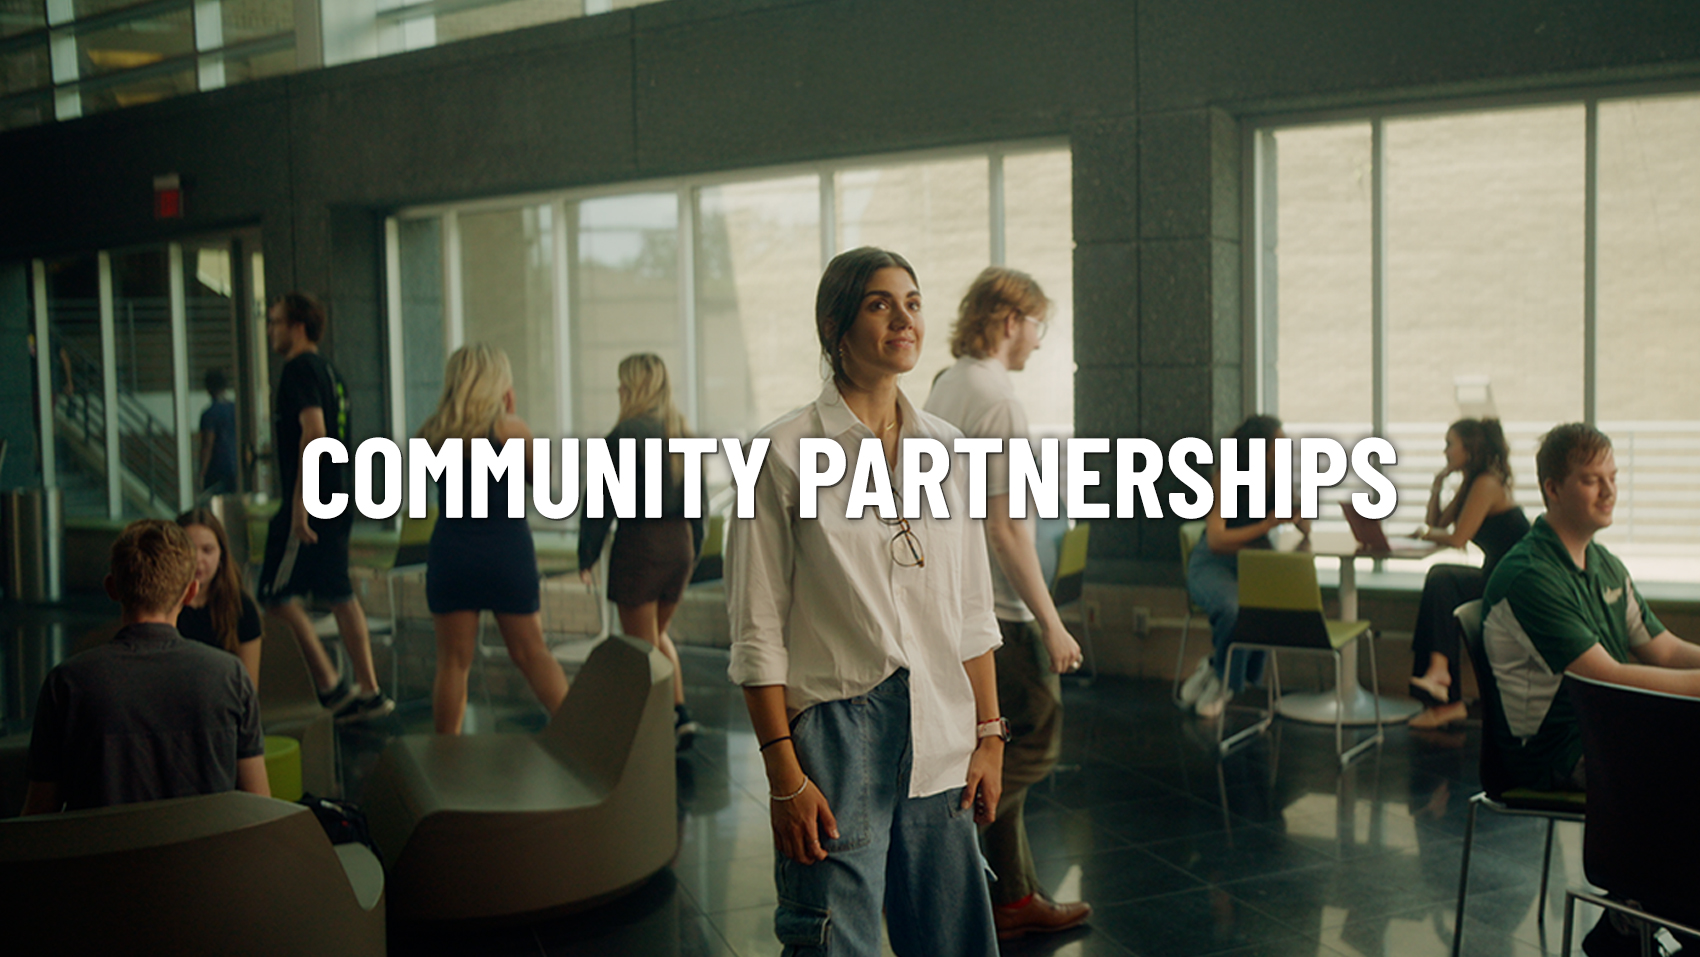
1040	915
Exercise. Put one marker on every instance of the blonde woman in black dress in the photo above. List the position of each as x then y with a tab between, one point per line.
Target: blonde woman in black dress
652	557
490	563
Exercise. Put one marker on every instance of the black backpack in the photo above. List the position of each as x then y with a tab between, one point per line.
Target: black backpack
344	823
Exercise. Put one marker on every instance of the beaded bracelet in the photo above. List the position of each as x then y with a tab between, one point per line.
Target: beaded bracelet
794	794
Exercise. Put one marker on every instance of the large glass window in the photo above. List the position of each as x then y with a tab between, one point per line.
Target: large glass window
1648	394
419	251
106	54
757	263
1038	235
718	277
935	214
1321	339
76	376
625	300
1484	268
210	311
507	270
146	409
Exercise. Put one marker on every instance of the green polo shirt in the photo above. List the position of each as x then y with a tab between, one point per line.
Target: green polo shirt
1542	614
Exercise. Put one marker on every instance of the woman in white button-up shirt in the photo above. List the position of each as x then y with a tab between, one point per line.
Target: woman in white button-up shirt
864	646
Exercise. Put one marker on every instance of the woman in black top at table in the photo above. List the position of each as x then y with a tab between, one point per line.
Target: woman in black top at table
1484	512
651	560
222	613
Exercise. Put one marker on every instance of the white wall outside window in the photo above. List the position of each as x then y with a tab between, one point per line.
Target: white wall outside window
1413	264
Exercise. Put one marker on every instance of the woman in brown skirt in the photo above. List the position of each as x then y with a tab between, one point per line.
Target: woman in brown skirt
652	557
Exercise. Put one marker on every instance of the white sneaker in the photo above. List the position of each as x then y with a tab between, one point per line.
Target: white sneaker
1194	684
1215	698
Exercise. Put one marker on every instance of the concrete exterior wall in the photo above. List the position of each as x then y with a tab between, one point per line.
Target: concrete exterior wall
1151	96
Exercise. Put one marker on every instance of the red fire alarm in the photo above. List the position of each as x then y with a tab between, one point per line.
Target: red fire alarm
167	197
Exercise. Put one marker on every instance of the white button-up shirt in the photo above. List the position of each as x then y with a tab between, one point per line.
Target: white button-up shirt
821	607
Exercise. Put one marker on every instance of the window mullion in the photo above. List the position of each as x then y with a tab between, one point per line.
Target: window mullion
1378	276
1591	266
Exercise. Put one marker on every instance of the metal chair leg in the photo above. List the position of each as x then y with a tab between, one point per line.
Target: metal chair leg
1087	654
1464	881
1546	869
1569	923
1180	657
1258	726
1339	708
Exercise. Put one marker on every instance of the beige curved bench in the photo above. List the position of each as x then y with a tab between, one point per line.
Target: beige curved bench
500	825
217	874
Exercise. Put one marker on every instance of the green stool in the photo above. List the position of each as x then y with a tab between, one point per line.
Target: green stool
283	767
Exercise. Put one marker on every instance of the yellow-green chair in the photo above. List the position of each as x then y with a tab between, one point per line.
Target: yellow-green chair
1281	610
1068	588
1191	534
409	560
283	767
710	564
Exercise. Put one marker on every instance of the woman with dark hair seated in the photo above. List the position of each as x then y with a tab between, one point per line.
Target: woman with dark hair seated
1484	512
222	614
1213	574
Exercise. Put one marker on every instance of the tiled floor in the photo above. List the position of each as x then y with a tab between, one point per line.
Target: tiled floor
1273	852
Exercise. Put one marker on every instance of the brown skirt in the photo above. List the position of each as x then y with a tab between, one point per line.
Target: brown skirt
651	561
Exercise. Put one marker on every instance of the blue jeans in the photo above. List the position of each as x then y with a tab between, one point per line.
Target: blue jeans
1213	581
917	859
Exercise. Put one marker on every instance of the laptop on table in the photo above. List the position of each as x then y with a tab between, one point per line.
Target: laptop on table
1369	534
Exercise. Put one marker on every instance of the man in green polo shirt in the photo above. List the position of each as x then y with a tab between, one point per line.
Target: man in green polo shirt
1560	603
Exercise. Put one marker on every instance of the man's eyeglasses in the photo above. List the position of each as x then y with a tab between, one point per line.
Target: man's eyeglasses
905	547
1044	327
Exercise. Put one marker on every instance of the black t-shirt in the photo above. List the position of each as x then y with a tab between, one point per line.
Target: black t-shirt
196	624
309	381
144	717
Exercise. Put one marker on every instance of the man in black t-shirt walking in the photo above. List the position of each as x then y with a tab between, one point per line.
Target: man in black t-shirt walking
306	555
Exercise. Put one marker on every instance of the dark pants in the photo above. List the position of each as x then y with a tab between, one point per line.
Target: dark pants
1437	632
1030	697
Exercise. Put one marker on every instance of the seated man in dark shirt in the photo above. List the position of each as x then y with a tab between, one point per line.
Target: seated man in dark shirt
148	715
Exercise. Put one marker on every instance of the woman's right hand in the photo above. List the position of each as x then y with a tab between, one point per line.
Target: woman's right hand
800	823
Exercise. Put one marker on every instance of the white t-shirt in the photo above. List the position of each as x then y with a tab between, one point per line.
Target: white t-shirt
977	396
820	606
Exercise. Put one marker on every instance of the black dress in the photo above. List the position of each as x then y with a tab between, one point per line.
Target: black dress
479	563
1447	587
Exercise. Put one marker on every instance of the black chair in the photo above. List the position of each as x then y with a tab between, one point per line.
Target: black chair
1642	842
1495	795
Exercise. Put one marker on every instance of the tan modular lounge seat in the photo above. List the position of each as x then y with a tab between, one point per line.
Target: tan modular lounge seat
218	874
500	825
289	706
